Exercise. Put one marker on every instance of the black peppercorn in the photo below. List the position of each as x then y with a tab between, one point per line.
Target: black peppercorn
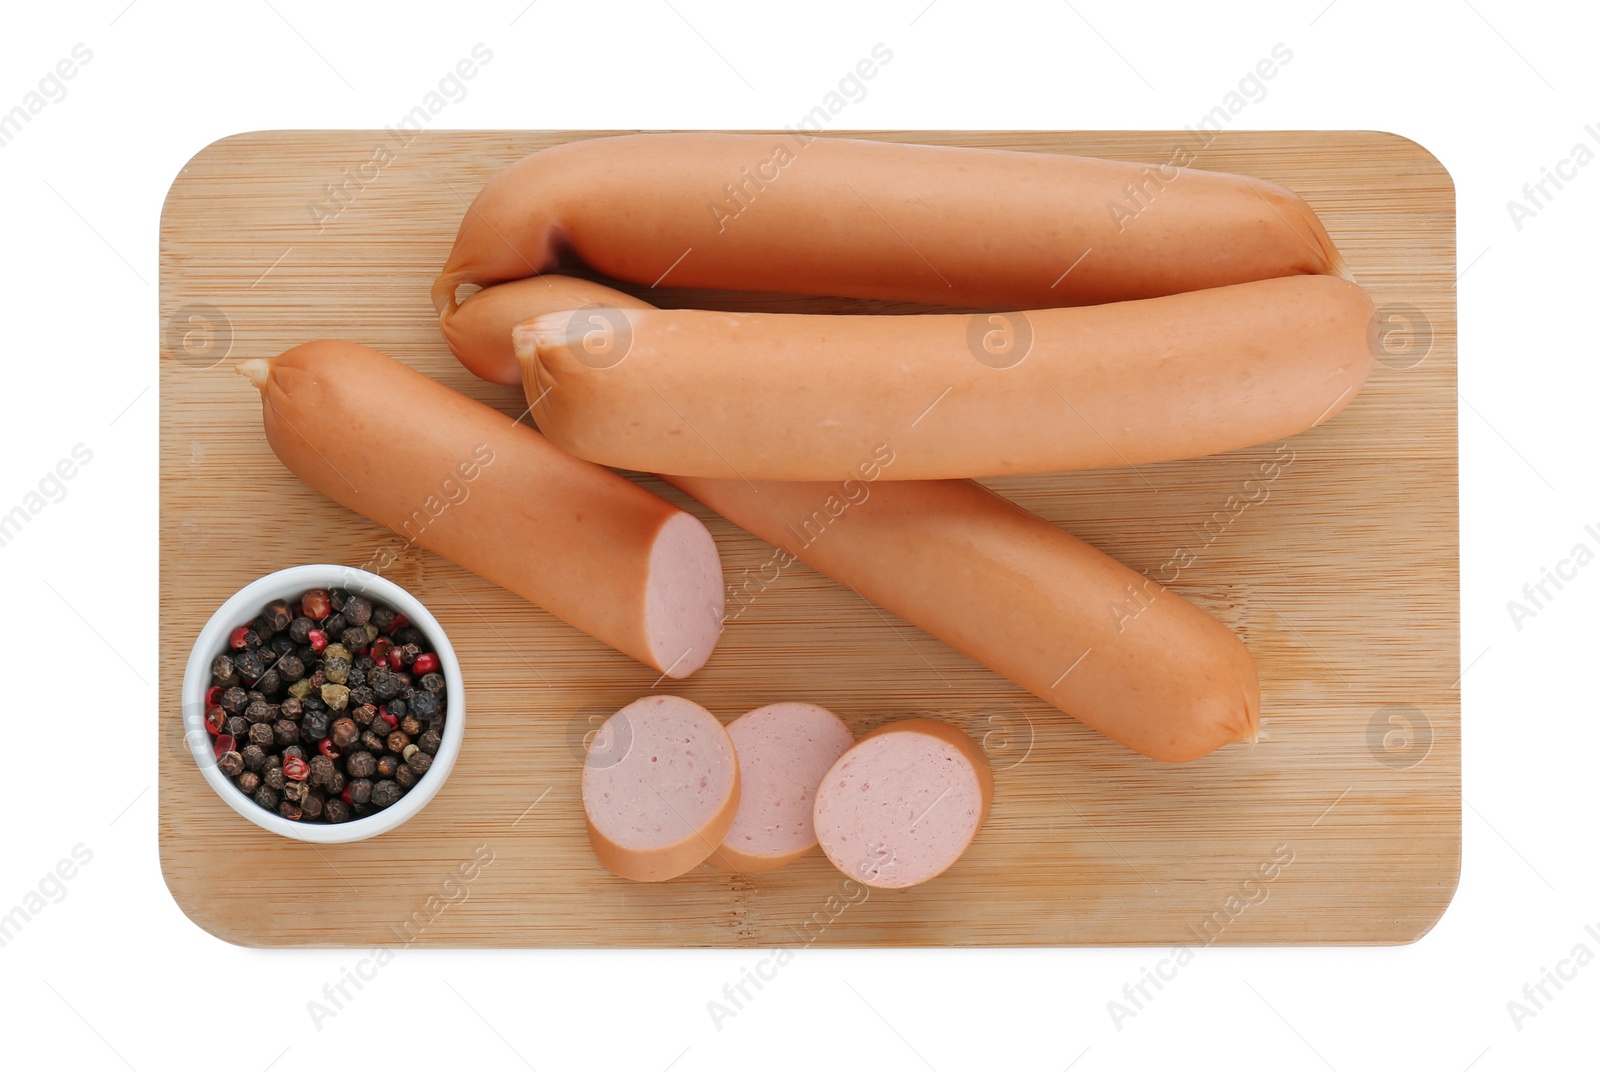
294	750
290	810
411	726
336	810
267	797
277	615
399	708
233	700
284	732
237	727
291	707
321	770
314	727
360	694
360	765
344	733
261	734
383	618
258	711
300	629
429	742
355	638
230	763
312	804
290	667
313	702
250	664
410	636
364	714
360	791
269	682
396	741
272	775
249	781
333	625
222	671
385	685
306	654
336	782
356	678
372	742
423	704
357	610
281	645
432	682
384	794
419	762
387	765
254	756
405	777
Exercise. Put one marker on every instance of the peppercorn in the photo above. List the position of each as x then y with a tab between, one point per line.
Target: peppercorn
321	768
294	791
250	664
315	604
249	781
237	727
333	625
290	810
267	797
383	618
364	714
300	689
357	679
426	663
384	794
408	654
222	671
344	733
215	718
239	639
429	741
290	666
313	703
336	782
411	726
359	791
312	804
354	638
387	765
405	777
410	634
272	773
261	734
230	763
254	756
399	709
257	711
336	810
291	707
433	682
269	682
360	765
233	700
314	727
300	629
277	615
372	742
284	732
419	762
318	678
397	741
360	694
317	639
385	685
335	669
294	751
335	696
357	610
423	704
280	645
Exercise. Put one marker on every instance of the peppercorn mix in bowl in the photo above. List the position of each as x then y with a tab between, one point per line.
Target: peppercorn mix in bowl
324	703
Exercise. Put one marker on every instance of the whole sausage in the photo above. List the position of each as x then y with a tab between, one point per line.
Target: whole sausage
781	396
868	219
1068	623
490	494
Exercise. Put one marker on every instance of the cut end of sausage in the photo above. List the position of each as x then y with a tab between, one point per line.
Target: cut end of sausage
660	788
903	804
683	600
784	749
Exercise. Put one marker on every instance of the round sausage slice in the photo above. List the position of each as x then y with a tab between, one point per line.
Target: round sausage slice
904	803
784	749
660	788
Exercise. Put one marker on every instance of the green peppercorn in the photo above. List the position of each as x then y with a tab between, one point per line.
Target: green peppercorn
335	696
300	689
337	670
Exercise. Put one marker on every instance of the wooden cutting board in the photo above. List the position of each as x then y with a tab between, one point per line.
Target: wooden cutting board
1343	825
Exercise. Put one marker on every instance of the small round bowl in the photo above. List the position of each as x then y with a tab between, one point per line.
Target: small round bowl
288	584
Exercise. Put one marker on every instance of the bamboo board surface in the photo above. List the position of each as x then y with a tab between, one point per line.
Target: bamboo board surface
1341	576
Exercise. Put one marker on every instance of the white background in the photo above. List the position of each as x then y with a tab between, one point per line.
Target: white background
113	975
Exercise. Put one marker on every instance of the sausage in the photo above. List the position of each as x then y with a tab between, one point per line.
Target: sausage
904	803
1070	624
490	494
784	749
781	396
479	329
1076	628
660	788
868	219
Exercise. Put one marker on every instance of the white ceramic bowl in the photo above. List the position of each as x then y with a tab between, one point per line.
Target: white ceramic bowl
289	584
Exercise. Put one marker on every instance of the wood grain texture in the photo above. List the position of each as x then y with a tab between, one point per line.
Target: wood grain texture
1341	577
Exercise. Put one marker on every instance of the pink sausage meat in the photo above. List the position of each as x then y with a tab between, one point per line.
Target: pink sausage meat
903	804
660	788
784	749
